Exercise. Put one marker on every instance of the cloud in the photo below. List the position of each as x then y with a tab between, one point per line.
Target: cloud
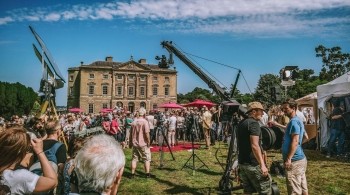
253	17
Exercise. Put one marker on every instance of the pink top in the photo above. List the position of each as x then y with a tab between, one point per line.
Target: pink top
140	127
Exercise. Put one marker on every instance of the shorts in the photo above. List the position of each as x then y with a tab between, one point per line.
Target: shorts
296	178
253	180
141	154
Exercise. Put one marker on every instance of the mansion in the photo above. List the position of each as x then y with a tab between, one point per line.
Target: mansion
128	85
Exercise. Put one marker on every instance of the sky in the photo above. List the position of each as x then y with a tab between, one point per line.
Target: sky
256	36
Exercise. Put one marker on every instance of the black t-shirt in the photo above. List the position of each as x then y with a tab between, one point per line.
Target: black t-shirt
338	123
61	153
245	129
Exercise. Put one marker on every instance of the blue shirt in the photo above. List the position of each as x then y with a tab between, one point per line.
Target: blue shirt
295	126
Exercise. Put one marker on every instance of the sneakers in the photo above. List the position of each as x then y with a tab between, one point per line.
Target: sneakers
148	175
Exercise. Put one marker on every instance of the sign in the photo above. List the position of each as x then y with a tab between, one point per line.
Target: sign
287	83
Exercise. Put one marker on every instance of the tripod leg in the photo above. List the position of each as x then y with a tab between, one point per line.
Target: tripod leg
165	138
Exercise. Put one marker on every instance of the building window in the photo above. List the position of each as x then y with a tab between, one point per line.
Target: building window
155	106
91	76
131	91
155	90
105	76
155	78
104	90
104	105
119	90
166	91
70	90
166	80
143	78
131	77
142	91
71	77
143	104
119	77
91	90
91	108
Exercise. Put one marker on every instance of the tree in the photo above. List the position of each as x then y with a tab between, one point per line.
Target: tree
335	63
16	99
198	93
262	92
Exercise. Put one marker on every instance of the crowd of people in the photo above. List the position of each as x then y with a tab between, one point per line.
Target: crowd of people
52	157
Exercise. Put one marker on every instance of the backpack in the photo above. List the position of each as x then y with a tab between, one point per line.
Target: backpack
51	156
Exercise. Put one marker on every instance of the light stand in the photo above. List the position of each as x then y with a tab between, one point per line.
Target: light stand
161	143
194	155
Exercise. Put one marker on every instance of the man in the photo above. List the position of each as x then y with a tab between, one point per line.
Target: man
152	123
216	125
171	129
99	166
337	131
252	167
294	158
53	131
206	124
140	143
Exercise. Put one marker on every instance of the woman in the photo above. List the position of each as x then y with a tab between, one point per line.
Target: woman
15	143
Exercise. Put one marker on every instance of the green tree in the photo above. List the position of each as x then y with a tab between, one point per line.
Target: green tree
335	63
262	92
16	99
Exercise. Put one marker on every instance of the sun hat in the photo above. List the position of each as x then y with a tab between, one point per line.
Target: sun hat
254	105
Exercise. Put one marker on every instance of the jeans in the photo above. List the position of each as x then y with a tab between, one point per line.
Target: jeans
340	134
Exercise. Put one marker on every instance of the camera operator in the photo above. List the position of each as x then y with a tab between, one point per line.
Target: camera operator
252	167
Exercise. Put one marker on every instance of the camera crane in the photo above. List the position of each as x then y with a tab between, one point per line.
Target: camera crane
231	107
51	80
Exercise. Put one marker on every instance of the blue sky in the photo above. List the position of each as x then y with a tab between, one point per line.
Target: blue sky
256	36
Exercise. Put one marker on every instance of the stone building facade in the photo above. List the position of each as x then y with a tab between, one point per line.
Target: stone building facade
128	85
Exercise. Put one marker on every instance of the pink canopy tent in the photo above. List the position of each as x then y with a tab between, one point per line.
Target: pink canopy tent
76	110
170	105
200	103
104	110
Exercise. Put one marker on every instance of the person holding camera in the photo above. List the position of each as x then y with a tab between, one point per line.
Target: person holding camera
252	166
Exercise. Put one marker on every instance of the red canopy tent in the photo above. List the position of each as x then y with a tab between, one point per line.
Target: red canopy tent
170	105
104	110
76	110
200	103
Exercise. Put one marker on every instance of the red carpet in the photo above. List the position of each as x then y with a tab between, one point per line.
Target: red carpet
179	147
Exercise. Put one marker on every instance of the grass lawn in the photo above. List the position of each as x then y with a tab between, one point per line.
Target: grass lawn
325	176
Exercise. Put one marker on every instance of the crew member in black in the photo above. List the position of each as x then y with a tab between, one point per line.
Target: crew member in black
252	167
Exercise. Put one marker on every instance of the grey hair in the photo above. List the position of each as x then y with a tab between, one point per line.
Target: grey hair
98	163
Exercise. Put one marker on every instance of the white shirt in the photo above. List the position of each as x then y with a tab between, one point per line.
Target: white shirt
301	116
20	181
172	122
264	119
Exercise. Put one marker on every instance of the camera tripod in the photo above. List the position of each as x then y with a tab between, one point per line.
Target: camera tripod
194	155
161	139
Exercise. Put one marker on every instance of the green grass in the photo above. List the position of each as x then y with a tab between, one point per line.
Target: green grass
325	176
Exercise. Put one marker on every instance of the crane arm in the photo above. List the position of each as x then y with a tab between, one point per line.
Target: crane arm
211	83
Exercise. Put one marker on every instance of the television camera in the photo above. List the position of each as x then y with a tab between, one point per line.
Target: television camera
232	111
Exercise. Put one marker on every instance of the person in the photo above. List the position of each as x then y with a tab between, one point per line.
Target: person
53	131
252	166
172	129
15	143
216	128
152	123
337	131
128	121
206	124
295	162
99	166
140	143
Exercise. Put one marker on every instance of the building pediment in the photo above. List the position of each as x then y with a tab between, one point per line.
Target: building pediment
132	65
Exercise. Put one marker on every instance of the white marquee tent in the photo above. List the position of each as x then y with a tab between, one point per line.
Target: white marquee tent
339	87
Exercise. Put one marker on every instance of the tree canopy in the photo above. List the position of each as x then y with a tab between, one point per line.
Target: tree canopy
16	99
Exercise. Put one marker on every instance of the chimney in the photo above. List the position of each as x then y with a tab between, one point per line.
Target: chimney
142	61
109	59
